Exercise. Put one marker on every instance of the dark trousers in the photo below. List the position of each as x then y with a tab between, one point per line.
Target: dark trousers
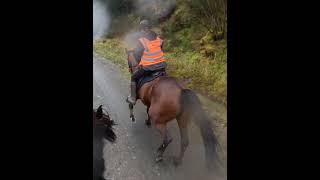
139	73
142	72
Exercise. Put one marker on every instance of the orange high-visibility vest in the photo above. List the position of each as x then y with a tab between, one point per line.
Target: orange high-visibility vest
153	53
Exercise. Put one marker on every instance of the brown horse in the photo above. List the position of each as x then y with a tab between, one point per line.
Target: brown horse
166	99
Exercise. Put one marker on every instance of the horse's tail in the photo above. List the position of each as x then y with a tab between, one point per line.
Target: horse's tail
191	105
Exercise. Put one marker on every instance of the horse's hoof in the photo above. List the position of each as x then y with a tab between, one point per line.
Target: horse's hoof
159	159
148	123
133	119
130	102
177	161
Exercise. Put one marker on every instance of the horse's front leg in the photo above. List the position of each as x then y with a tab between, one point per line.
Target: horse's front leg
131	113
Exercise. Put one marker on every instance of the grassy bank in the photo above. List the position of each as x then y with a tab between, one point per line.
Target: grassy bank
112	50
208	77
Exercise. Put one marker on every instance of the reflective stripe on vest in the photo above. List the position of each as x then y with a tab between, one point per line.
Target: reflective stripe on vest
153	53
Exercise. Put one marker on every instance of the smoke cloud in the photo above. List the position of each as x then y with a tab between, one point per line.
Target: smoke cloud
151	10
154	7
101	19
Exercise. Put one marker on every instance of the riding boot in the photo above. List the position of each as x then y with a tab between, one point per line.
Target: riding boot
132	98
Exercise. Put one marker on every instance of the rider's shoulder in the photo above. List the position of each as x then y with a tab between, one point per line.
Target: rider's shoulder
150	35
140	35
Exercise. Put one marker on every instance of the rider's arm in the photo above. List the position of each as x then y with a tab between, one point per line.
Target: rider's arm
162	46
138	52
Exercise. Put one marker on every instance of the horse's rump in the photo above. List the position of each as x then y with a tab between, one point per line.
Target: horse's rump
165	98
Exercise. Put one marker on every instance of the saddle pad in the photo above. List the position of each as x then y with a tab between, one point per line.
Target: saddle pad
149	78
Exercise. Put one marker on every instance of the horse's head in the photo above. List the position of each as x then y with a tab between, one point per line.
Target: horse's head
99	113
132	63
103	119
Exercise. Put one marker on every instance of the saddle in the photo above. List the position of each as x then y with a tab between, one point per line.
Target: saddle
148	78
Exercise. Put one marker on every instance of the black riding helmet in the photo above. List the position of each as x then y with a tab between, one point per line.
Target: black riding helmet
144	24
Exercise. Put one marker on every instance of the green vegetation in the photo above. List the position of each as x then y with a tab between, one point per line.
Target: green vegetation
214	15
207	76
112	50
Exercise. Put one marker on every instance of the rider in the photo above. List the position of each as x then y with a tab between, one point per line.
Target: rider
149	55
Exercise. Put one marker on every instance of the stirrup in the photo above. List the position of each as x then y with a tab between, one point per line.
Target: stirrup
130	101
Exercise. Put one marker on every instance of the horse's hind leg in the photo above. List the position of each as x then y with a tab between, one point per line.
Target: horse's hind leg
148	121
184	142
166	140
131	113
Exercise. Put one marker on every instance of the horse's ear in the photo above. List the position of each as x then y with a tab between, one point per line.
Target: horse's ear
99	112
